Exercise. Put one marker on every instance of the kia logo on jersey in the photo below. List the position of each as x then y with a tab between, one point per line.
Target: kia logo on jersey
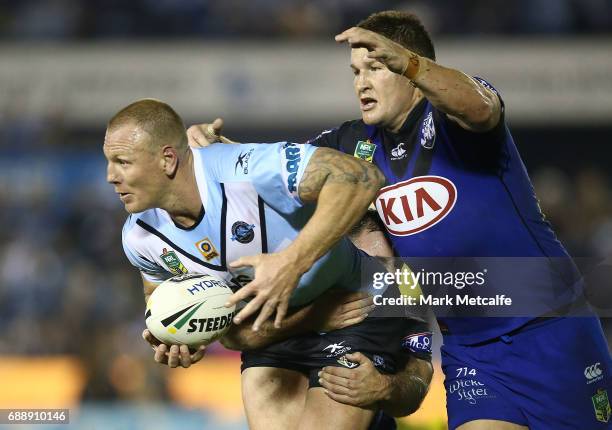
412	206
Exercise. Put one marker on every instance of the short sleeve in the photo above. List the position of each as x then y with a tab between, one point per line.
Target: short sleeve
274	169
477	149
150	271
344	138
327	138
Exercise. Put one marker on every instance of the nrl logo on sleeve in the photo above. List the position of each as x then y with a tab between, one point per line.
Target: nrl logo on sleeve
173	263
417	204
428	132
365	150
418	342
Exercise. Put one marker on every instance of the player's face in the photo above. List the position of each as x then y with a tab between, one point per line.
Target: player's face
385	98
132	168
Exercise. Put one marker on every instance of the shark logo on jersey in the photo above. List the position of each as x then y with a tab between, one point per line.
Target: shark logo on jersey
365	150
173	263
243	232
243	161
428	132
207	249
291	157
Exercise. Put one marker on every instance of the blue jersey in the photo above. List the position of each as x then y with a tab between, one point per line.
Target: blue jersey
456	193
250	203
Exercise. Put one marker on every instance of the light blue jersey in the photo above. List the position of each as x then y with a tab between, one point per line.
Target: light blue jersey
250	206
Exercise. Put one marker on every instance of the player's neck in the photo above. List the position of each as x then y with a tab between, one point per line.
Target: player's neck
400	119
183	201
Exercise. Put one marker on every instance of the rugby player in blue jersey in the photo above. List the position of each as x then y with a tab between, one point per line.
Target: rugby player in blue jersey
432	125
456	187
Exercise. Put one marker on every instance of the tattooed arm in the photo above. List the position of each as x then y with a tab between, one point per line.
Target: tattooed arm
342	187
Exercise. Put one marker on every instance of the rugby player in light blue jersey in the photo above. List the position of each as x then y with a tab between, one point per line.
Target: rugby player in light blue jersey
200	210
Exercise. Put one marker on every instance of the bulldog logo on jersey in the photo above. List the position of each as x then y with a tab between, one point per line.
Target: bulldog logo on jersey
417	204
243	232
173	263
207	249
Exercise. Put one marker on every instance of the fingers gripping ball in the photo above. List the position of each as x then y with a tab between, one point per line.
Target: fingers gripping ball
189	309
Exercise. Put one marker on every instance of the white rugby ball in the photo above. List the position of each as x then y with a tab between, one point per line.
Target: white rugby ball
189	309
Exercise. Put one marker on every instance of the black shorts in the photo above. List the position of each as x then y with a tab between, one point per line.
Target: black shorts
382	340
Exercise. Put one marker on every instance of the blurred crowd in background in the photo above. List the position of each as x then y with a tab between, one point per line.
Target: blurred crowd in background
65	284
98	19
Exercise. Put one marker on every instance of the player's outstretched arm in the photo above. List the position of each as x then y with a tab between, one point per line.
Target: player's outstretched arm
398	395
331	311
342	187
471	104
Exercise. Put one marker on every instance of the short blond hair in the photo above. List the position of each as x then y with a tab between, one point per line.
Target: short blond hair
156	118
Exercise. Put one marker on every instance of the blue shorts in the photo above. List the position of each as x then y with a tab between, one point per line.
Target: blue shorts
552	374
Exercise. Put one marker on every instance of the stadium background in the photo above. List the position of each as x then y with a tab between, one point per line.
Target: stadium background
71	306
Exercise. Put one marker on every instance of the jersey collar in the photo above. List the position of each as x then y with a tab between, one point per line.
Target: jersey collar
413	117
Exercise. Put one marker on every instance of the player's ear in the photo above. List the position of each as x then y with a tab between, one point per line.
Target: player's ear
169	161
